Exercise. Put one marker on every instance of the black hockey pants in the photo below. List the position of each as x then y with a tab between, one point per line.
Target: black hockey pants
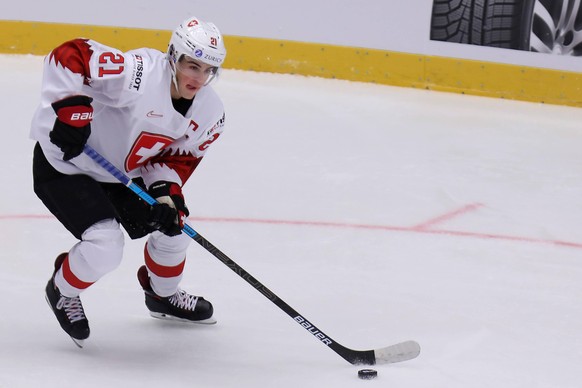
79	201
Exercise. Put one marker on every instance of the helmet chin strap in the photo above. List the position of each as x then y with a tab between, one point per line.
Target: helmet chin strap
173	71
175	82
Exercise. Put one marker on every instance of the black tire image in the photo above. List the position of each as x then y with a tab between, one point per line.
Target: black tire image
547	26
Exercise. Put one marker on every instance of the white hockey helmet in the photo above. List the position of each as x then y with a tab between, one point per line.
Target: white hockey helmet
199	40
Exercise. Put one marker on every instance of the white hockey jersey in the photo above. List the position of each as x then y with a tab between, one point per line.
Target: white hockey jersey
135	125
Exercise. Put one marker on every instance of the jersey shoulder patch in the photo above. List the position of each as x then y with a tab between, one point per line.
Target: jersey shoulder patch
75	56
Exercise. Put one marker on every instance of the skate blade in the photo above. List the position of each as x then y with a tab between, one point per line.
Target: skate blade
208	321
78	342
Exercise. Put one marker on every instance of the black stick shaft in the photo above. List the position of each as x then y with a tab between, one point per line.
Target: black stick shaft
350	355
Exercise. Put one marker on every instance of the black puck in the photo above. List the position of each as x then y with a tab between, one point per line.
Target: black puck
367	374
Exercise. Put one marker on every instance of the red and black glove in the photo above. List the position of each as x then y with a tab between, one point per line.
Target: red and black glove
73	125
169	213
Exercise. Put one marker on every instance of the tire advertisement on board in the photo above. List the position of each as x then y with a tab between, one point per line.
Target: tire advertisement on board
542	26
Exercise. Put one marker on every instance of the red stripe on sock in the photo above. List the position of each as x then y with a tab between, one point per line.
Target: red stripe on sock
71	278
162	270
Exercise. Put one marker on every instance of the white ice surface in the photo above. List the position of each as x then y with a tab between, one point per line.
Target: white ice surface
381	214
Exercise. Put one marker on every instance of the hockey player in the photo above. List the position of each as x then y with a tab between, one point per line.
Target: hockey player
151	114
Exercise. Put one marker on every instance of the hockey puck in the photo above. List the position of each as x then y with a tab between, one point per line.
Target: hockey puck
367	374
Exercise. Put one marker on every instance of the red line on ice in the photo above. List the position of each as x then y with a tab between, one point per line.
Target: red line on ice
447	216
413	229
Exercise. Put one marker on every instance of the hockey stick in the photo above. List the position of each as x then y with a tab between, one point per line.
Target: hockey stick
395	353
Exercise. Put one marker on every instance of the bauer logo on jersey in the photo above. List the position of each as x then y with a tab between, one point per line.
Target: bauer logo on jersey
137	73
145	147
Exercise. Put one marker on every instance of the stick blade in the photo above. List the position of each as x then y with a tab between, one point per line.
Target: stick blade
397	353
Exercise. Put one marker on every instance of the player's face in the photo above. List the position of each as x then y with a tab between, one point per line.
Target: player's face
192	75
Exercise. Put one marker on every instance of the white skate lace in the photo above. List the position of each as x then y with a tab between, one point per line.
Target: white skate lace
72	307
184	300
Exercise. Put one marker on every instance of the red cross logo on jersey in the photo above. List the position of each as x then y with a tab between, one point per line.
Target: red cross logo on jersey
145	147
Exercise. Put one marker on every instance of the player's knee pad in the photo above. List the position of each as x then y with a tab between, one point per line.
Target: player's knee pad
102	246
166	249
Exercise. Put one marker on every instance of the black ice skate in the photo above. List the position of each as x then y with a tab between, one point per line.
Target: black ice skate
69	311
181	306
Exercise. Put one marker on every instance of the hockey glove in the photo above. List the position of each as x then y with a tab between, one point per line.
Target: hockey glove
169	213
73	125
